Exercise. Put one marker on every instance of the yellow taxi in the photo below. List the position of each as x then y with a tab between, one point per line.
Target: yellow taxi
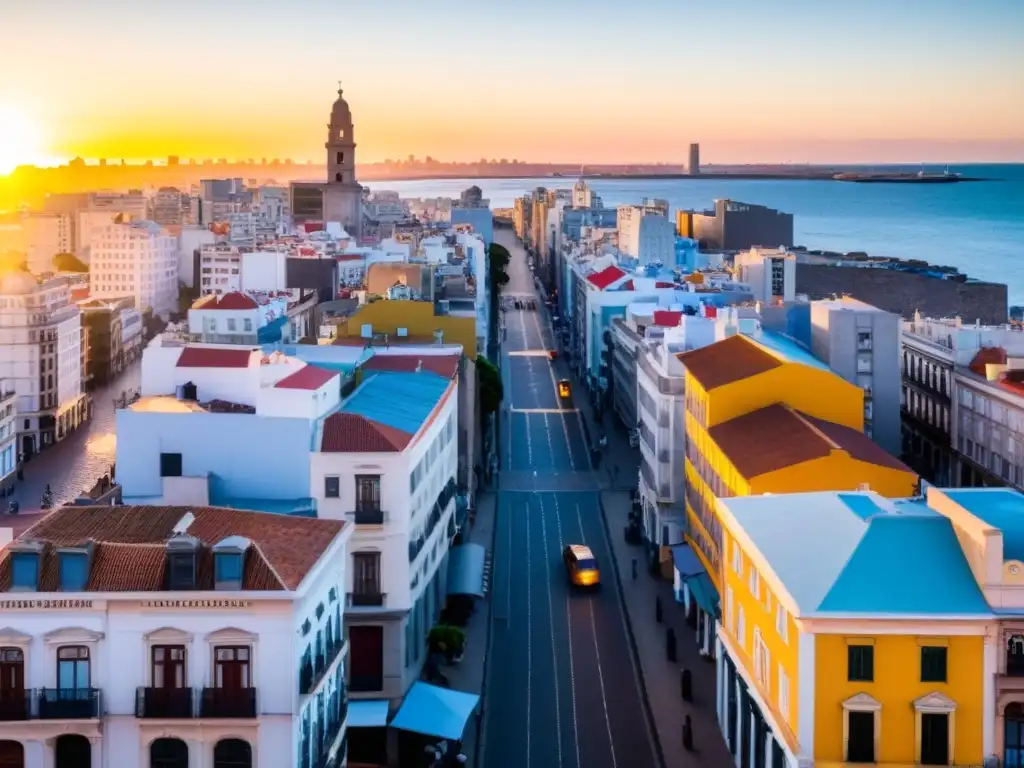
564	390
581	566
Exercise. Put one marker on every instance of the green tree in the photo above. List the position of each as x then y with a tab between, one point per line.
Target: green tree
68	262
489	387
498	258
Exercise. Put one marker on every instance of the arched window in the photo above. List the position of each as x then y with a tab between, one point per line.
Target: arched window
12	754
337	177
72	751
168	753
232	753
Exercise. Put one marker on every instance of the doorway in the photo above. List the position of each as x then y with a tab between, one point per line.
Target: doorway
72	751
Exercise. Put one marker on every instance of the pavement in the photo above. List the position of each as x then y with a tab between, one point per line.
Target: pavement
563	684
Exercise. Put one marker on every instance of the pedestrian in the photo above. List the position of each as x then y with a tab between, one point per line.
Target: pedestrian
688	734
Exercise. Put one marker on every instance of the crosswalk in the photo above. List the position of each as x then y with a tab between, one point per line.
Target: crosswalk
554	482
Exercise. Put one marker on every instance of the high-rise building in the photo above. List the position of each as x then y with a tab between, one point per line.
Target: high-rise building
168	207
47	235
138	259
694	168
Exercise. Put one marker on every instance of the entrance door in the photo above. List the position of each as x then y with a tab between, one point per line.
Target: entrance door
1013	736
232	668
860	747
168	753
12	754
232	753
72	751
934	739
12	685
366	658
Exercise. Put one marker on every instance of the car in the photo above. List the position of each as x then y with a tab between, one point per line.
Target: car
552	354
581	566
564	389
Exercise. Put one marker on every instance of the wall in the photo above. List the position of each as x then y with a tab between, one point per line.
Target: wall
418	316
252	457
482	220
897	683
264	271
905	292
838	472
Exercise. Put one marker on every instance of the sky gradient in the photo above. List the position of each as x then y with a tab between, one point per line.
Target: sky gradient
568	81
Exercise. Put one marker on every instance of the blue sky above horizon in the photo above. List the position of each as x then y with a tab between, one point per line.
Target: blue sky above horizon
775	80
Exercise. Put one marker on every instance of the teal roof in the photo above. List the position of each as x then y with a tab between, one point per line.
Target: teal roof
788	348
861	554
1001	508
402	401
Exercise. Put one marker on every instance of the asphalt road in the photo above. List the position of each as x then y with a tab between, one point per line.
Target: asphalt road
562	688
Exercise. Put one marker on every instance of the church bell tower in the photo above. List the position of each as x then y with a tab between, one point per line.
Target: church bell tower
341	144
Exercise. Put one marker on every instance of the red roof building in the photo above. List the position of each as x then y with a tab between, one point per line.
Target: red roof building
352	433
309	378
443	365
666	318
216	357
606	277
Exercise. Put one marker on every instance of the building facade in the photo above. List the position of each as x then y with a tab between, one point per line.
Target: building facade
137	260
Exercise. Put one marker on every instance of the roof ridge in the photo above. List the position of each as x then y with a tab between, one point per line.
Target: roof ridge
266	561
833	445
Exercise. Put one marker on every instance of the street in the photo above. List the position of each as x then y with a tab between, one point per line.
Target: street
563	687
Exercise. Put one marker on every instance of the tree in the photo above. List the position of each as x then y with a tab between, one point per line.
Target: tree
68	262
498	258
489	386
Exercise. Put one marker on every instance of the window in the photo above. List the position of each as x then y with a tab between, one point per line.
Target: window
860	660
74	571
755	583
170	465
73	667
366	573
741	628
247	324
231	667
332	487
227	568
231	324
730	610
367	492
24	572
181	567
933	664
737	558
167	666
782	622
783	692
762	661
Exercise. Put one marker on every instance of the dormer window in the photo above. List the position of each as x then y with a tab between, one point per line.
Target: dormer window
181	562
25	564
228	562
73	568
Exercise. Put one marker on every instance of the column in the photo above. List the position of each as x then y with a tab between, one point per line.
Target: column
97	752
992	727
739	721
719	688
753	731
768	743
35	754
48	756
197	753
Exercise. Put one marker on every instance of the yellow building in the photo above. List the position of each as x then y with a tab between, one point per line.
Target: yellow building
853	632
408	322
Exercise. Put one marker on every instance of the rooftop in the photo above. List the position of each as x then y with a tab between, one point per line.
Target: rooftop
215	357
442	365
870	556
309	377
129	552
777	436
605	277
1002	508
724	362
787	349
234	300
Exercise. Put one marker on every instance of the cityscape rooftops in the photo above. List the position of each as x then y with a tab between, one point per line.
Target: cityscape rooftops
443	365
727	361
127	547
217	357
234	300
869	556
1001	508
309	377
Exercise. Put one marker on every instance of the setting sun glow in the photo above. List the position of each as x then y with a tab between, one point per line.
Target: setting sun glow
18	140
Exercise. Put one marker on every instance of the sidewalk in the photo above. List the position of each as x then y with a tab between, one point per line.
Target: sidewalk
661	677
470	674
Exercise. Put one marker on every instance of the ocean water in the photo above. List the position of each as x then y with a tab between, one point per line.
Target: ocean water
976	227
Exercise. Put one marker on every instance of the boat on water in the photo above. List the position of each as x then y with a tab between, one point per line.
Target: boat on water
921	177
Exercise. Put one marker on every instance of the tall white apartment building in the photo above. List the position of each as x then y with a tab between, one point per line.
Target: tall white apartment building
138	259
771	274
47	234
646	233
41	358
174	636
220	269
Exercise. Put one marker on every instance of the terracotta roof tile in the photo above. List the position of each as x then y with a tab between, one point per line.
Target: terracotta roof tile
987	356
443	365
309	377
234	300
213	357
129	542
352	433
776	437
605	277
726	361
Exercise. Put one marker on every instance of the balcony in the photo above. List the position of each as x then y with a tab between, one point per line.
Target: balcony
15	706
312	673
369	514
68	703
230	703
169	703
366	599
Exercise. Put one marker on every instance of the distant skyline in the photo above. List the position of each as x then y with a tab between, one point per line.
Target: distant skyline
800	81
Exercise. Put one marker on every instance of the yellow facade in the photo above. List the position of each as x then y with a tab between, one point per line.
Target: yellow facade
417	317
896	686
765	618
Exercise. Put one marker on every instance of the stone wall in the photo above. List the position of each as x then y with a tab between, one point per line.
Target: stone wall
905	292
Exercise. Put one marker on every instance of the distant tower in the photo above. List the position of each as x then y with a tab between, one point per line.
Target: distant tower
694	169
341	145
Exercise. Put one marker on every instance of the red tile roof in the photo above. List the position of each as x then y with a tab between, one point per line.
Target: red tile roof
443	365
349	257
313	226
233	300
214	357
667	318
352	433
309	377
129	554
726	361
664	284
79	294
987	356
606	277
776	437
627	286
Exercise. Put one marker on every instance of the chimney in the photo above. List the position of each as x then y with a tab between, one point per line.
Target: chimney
419	366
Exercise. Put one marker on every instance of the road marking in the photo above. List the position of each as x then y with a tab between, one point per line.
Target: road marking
529	639
529	444
543	410
551	620
568	623
530	353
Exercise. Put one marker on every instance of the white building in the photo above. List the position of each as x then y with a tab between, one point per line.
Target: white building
191	240
237	318
387	461
41	358
8	434
273	205
140	260
175	636
47	234
264	271
646	234
771	274
220	269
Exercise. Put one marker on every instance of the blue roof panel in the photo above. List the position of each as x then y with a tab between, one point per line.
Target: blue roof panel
402	401
1001	508
790	349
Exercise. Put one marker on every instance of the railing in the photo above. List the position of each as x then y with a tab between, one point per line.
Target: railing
68	703
366	599
15	705
310	675
171	703
228	703
369	515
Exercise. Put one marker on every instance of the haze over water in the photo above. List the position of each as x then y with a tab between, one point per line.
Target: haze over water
975	227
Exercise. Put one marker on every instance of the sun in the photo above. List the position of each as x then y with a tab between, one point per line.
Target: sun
18	140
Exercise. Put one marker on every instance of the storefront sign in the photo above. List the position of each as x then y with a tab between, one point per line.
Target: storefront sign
45	605
171	604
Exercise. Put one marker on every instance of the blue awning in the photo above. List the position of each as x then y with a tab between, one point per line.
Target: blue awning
686	561
367	714
704	592
466	570
435	711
